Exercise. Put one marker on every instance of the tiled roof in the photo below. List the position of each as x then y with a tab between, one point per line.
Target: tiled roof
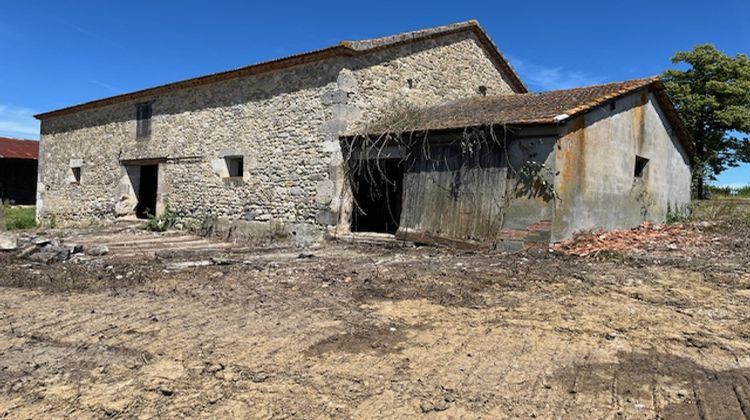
18	149
530	108
550	107
345	48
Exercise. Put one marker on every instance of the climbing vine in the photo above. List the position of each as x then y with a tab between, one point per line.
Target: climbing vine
400	134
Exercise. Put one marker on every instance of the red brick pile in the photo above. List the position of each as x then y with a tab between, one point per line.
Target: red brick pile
646	237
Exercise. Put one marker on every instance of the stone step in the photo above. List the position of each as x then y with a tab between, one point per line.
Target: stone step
163	242
125	239
160	247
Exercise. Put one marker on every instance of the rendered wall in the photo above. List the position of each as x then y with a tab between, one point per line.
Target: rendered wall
530	206
595	158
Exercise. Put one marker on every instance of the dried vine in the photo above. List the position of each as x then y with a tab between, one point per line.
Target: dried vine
400	134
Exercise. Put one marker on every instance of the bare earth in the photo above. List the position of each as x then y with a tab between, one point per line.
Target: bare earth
357	331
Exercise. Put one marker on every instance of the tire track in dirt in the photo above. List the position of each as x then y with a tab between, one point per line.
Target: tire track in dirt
311	337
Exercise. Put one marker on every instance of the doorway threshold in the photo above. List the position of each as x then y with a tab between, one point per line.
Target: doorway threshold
374	238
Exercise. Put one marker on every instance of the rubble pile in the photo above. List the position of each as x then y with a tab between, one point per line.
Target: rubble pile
48	250
646	237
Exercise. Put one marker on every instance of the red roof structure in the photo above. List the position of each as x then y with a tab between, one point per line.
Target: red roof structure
18	149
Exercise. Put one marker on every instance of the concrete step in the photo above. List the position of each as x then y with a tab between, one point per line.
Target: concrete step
139	244
131	239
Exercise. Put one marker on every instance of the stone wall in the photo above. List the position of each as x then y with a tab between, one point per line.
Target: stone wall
285	124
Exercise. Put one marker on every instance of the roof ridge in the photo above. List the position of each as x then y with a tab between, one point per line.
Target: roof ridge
639	82
635	83
643	80
407	35
341	49
627	86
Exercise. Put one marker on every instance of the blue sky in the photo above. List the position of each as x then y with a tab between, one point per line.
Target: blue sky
59	53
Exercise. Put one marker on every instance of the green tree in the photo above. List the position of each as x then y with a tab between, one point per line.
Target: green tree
713	98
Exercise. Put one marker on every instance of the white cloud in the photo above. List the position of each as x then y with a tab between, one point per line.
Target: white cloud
18	122
106	86
540	77
733	185
90	34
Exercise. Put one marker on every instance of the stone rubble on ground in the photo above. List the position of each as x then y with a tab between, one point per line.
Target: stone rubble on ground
644	238
97	250
46	250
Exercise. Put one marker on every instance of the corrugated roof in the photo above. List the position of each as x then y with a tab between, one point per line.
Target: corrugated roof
345	48
18	149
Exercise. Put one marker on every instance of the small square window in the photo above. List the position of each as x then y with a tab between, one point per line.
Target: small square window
235	166
76	174
640	166
612	106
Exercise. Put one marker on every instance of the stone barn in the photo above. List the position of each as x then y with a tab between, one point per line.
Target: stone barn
18	169
278	149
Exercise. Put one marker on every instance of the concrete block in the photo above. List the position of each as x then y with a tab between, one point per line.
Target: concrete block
509	245
8	241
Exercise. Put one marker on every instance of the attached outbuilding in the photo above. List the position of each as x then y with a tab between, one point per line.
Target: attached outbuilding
513	171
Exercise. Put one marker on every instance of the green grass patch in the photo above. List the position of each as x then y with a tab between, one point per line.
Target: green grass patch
20	217
728	192
722	209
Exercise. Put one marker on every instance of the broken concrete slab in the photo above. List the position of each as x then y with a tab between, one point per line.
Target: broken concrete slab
51	253
8	241
42	257
97	250
27	251
40	241
188	264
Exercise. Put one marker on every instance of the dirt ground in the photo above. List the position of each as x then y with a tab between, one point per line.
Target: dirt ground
174	326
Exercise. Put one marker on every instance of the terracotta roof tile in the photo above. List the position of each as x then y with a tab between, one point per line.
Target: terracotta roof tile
529	108
550	107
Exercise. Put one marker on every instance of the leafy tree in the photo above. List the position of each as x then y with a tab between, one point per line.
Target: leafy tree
713	98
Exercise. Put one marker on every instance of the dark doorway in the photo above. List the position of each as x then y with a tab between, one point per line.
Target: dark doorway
377	197
18	181
147	188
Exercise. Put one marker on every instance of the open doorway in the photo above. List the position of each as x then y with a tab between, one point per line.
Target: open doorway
377	197
146	192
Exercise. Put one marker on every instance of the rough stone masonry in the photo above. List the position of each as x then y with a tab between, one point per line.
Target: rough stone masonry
282	118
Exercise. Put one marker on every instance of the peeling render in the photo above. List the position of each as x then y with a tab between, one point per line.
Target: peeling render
596	158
